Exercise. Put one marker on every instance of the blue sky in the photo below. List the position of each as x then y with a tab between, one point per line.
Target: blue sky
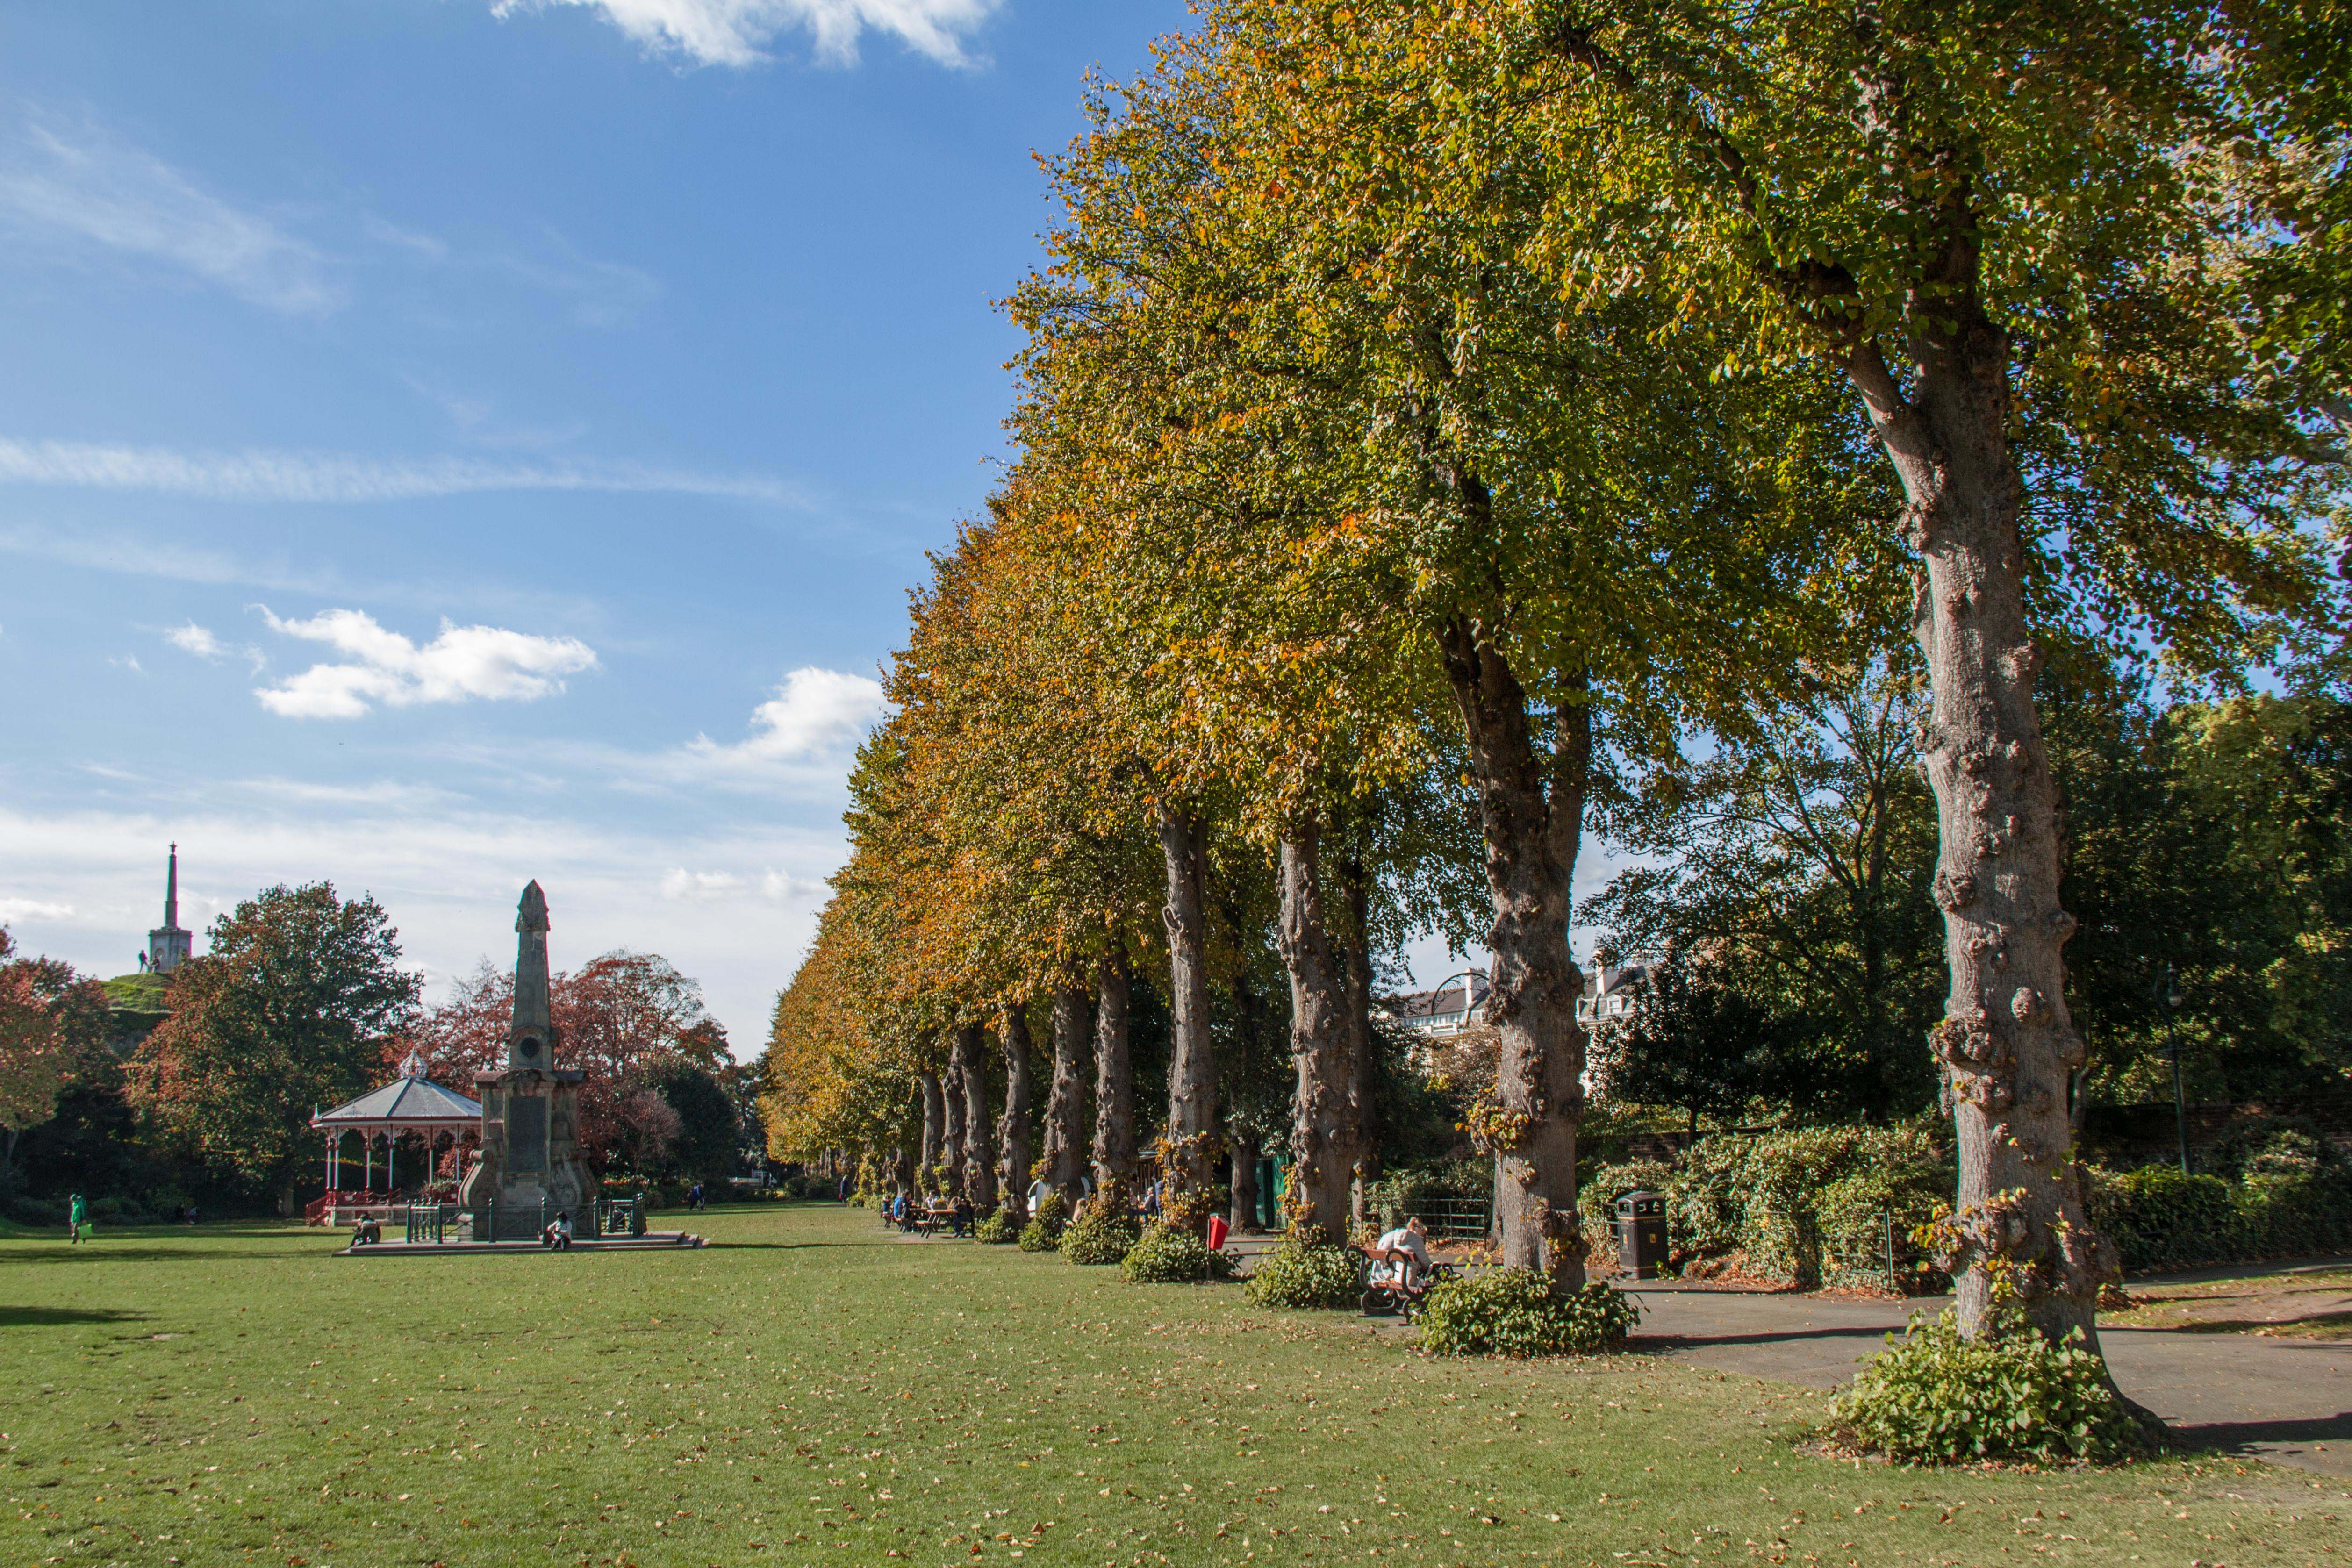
446	443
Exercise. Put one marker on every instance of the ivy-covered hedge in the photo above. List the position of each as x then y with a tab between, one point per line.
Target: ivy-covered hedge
1044	1231
1097	1239
1305	1272
1166	1256
1933	1397
1511	1311
997	1229
1809	1205
2293	1197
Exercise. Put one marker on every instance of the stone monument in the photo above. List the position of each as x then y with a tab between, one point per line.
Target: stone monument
530	1166
169	944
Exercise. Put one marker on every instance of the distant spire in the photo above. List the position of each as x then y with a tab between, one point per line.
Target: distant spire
171	891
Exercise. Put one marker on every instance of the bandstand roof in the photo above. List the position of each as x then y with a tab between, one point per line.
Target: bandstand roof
411	1100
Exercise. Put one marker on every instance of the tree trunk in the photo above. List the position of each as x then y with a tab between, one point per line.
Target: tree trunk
951	1147
1358	887
2006	1045
1532	835
1192	1071
1012	1130
1243	1216
902	1171
970	1066
935	1132
1065	1139
1113	1080
1322	1129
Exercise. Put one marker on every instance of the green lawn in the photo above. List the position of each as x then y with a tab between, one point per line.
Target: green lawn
811	1390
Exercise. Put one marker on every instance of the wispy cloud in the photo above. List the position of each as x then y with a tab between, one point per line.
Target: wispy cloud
87	187
816	716
463	663
266	475
738	31
197	639
17	911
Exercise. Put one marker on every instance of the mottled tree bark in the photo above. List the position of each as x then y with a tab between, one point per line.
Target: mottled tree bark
902	1171
1193	1069
2006	1046
1114	1080
935	1132
1065	1139
952	1146
1243	1188
1531	813
1012	1128
1323	1150
970	1066
1357	886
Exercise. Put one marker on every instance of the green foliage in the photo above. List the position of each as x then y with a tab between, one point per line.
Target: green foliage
1166	1256
1809	1206
1306	1272
707	1147
1936	1398
1403	1192
1099	1238
1044	1231
997	1230
2295	1199
1512	1311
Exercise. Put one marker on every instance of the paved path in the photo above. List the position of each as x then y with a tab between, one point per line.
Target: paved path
2283	1400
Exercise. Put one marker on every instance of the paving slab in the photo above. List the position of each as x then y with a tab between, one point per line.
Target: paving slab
2286	1401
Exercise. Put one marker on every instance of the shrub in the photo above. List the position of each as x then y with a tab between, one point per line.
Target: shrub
1305	1272
1512	1311
997	1229
2294	1200
1167	1256
1933	1397
1097	1238
1044	1231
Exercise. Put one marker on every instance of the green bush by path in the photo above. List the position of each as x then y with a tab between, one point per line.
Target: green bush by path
1164	1256
1933	1397
1303	1273
1512	1311
245	1392
997	1229
1097	1240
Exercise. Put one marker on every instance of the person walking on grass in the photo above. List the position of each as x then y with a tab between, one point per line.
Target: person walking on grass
77	1219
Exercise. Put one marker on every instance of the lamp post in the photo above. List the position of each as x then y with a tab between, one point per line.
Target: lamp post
2169	999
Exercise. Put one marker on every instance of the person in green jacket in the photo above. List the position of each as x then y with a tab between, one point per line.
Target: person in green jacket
78	1218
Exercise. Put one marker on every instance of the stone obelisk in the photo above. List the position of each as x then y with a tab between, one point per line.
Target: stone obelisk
531	1168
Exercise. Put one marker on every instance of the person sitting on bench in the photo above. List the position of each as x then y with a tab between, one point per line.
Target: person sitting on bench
557	1237
366	1231
1400	1257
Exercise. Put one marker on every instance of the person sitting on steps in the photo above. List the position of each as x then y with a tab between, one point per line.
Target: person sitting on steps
557	1237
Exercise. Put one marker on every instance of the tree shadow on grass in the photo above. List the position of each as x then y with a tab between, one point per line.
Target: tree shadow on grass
2323	1326
50	1317
98	1252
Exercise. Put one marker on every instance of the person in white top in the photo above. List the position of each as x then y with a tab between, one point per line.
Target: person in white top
1402	1256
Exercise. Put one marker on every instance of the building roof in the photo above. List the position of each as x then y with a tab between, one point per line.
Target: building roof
1442	1009
412	1099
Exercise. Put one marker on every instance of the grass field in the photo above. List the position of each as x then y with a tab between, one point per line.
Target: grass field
2307	1305
812	1391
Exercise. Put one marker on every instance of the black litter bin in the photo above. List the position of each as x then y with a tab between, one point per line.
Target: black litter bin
1641	1234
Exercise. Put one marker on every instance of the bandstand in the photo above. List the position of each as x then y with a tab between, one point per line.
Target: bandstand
409	1104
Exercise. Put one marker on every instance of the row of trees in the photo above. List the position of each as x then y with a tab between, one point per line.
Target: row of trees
301	1003
1445	428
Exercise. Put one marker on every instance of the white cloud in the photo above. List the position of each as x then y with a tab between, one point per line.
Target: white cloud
463	663
17	911
778	887
736	32
197	639
90	188
266	475
814	715
679	883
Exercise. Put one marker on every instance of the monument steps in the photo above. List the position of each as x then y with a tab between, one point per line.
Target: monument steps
653	1240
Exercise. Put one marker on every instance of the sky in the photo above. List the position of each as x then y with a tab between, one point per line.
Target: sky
449	442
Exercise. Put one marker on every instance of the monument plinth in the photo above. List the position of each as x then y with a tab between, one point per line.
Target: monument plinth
530	1166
